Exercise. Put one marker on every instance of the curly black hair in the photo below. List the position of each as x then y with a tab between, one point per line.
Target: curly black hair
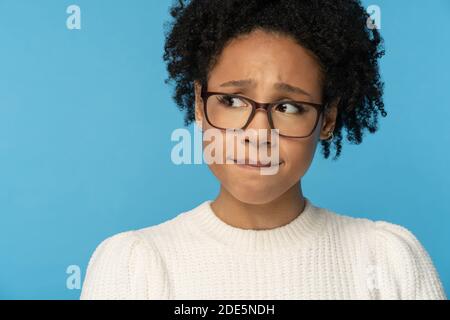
335	31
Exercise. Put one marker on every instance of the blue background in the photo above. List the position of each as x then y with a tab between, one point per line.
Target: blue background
86	121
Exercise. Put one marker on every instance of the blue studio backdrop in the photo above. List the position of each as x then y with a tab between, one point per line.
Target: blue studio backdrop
85	137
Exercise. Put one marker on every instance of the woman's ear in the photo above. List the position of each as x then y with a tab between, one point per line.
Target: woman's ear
329	120
198	104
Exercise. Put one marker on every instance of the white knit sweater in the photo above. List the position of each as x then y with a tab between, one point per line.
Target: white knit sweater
319	255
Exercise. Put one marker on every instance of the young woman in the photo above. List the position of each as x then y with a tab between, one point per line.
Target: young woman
309	69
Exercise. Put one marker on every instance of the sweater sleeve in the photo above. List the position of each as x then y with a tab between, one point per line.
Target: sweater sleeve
124	266
405	269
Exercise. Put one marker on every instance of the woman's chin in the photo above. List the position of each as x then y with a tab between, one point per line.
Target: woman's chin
255	195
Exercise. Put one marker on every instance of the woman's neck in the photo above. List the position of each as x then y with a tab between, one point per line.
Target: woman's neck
269	215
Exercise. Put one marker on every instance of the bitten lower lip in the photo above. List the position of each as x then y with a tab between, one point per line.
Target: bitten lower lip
256	166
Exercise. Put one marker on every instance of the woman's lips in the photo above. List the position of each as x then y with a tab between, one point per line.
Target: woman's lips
258	164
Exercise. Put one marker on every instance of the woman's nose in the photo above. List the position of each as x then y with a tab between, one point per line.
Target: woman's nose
259	129
260	120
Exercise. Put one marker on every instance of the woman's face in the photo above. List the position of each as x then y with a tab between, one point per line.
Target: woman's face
266	59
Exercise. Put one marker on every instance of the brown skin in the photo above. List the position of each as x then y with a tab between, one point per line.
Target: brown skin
247	199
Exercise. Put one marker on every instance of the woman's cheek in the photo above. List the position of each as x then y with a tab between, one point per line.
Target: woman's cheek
298	156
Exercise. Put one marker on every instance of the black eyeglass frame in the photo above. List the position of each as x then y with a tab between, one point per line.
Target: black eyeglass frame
265	106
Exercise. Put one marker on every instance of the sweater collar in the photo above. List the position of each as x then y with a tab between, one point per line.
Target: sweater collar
297	233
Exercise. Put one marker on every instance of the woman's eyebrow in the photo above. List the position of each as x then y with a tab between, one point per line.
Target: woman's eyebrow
281	86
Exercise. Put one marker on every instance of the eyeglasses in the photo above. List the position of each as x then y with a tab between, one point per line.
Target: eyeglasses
293	119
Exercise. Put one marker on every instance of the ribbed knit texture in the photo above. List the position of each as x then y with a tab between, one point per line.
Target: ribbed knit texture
318	255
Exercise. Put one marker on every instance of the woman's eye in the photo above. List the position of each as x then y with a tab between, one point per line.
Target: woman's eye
289	108
232	101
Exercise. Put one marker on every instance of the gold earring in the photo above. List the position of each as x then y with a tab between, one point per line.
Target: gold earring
330	136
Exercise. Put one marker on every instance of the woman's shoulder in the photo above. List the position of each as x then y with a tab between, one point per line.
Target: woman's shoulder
122	266
172	231
380	235
402	266
389	232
